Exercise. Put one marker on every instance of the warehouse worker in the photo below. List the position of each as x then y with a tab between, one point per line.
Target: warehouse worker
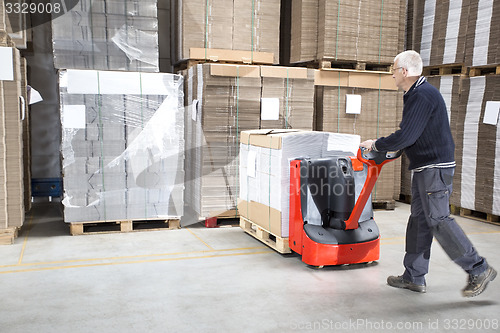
426	138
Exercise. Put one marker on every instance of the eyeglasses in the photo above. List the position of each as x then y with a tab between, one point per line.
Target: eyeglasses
394	69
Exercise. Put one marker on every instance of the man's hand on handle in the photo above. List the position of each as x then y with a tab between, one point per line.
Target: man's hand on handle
368	145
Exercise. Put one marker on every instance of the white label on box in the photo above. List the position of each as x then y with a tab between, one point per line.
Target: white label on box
74	116
270	109
252	164
353	104
491	113
194	109
7	61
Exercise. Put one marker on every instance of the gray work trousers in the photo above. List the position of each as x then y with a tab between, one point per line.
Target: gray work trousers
430	217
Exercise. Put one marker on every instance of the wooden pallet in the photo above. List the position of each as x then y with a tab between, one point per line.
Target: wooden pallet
406	198
345	64
277	243
7	236
475	215
220	56
384	204
447	69
99	227
484	70
229	218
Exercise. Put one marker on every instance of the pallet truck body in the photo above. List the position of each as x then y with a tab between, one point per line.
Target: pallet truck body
330	222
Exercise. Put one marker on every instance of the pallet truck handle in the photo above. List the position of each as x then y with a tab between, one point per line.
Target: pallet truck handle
374	161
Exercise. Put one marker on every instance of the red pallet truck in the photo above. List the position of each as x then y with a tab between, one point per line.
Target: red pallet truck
328	226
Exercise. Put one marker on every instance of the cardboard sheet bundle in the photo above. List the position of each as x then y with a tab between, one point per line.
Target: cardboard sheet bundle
478	146
107	35
12	106
456	32
265	157
222	101
122	145
244	25
364	31
13	22
365	104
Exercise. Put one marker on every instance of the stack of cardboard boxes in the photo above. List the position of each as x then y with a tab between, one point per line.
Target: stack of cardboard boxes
457	32
477	180
362	103
357	31
464	33
12	108
201	27
224	100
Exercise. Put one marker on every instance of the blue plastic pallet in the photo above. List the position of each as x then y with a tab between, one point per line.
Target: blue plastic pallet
46	187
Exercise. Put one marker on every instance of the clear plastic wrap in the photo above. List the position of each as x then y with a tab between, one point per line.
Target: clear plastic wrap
107	35
122	145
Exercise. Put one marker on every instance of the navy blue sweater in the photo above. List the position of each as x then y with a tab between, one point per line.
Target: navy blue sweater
424	131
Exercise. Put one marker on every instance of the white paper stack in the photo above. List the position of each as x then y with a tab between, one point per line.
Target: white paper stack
265	157
122	145
107	35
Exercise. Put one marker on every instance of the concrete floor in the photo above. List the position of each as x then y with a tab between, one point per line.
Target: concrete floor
222	280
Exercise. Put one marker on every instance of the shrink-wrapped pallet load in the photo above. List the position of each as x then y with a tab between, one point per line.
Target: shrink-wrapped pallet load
264	168
107	35
122	145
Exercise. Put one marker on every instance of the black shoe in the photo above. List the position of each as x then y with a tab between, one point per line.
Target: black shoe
399	282
477	283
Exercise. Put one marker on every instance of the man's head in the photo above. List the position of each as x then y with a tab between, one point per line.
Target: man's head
407	68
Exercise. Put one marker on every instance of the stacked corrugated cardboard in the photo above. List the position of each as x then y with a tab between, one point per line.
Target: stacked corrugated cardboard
11	147
483	35
265	170
107	34
122	145
477	148
363	31
13	21
440	31
224	100
461	32
362	103
243	25
26	137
